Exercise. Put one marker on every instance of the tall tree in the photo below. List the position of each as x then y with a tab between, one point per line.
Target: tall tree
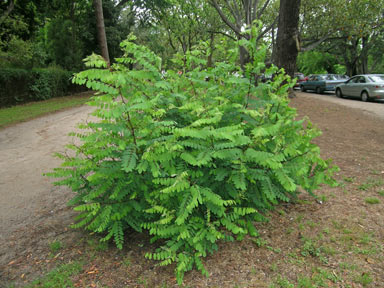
287	41
349	32
238	15
101	29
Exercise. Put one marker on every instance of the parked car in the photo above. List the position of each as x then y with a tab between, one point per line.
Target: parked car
299	79
341	77
320	83
365	87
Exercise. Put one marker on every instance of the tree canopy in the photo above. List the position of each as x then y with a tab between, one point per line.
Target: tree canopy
41	33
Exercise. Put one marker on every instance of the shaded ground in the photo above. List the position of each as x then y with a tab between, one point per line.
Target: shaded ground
334	242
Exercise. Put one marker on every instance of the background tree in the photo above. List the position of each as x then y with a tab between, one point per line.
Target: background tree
287	42
7	11
348	32
101	29
239	17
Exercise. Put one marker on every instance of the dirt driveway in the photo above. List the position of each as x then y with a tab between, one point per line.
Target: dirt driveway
26	153
375	109
33	212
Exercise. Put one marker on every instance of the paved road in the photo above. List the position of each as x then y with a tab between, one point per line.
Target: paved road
375	109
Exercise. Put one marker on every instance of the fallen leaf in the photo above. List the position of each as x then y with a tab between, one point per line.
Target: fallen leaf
12	262
370	260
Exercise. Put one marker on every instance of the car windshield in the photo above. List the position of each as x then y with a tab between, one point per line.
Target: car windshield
340	77
376	78
330	77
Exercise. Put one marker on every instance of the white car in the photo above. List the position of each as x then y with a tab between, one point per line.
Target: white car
366	87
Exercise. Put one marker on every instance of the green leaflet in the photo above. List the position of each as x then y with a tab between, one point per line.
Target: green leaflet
192	159
128	160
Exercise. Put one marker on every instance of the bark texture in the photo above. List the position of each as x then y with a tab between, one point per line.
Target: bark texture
101	29
287	41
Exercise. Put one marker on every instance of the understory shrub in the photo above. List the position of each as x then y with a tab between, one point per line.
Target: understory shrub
14	86
49	83
21	85
192	157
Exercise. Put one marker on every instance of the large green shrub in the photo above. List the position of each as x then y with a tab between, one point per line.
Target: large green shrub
21	85
192	157
49	83
14	86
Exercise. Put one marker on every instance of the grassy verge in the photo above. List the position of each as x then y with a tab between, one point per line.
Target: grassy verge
21	113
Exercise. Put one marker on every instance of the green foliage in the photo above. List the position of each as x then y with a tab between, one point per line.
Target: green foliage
49	83
20	85
370	183
59	277
314	62
192	158
310	248
63	46
18	53
14	85
364	279
372	200
55	246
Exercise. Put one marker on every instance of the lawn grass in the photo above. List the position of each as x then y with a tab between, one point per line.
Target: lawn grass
21	113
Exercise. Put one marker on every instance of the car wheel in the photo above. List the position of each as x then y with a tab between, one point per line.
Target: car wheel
364	96
319	91
339	94
302	89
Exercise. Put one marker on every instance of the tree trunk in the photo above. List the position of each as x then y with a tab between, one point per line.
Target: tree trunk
101	30
287	40
244	57
364	55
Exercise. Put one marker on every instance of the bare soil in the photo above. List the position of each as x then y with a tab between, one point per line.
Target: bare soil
334	241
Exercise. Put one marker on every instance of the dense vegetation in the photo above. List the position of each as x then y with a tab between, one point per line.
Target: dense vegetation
37	34
192	157
20	85
191	146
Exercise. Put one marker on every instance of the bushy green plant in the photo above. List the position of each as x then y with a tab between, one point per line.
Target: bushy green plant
14	86
314	62
49	83
192	157
18	53
21	85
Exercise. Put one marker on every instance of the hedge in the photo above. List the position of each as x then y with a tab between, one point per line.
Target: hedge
21	85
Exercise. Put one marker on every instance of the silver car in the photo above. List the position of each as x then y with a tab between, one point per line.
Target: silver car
366	87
